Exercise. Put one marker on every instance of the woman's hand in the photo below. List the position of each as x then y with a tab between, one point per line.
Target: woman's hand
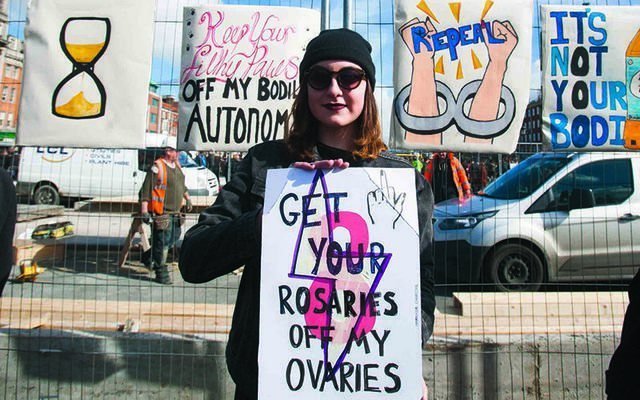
425	391
322	164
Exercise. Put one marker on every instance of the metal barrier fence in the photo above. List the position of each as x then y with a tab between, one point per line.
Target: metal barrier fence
81	317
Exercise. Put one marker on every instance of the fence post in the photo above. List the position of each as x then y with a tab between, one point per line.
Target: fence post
324	15
346	12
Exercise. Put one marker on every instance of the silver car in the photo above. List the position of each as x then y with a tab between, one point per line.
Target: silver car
555	217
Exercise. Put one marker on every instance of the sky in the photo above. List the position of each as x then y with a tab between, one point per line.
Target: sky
372	18
169	16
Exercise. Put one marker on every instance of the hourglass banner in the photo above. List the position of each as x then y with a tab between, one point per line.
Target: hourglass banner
591	77
87	71
240	73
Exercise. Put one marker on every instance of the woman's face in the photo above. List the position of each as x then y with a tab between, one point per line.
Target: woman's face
336	107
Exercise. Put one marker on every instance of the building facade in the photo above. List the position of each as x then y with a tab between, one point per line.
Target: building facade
162	118
530	140
11	67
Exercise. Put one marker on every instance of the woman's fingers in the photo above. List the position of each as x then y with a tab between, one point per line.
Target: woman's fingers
322	164
303	165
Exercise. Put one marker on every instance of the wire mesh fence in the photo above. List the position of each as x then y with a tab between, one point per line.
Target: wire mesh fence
81	316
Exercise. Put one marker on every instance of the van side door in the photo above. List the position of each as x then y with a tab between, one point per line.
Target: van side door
596	216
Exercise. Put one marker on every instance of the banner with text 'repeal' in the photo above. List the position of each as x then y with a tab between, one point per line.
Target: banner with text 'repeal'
240	73
461	74
86	76
340	304
591	77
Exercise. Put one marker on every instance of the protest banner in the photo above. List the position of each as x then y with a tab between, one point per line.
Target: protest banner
591	77
87	71
340	295
458	74
240	73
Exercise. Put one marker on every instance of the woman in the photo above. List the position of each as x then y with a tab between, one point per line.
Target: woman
335	124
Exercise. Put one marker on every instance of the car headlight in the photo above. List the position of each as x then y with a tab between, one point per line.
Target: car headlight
464	222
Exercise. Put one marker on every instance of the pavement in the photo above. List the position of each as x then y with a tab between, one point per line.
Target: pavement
89	268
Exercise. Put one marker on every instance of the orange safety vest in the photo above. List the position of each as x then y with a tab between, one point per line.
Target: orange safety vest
159	190
459	175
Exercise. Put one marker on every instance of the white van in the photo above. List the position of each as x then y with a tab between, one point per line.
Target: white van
46	173
555	217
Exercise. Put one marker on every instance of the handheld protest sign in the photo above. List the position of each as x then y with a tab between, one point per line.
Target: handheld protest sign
340	295
239	75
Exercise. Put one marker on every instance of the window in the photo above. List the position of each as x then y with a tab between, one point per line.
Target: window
5	91
2	117
154	102
11	71
9	119
154	118
610	182
13	95
526	177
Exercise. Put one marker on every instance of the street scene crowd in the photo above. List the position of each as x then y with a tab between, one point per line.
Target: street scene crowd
485	287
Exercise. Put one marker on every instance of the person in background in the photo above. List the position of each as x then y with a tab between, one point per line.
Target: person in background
477	176
505	165
213	163
224	165
161	198
4	157
11	160
183	158
8	213
483	176
201	159
491	170
447	177
335	125
234	163
417	164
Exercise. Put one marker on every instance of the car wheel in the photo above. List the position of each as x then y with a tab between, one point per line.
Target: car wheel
46	195
515	268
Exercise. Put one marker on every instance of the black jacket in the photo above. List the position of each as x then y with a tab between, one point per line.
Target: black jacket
7	225
623	372
225	239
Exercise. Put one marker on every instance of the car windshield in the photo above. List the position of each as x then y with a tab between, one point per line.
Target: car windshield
526	177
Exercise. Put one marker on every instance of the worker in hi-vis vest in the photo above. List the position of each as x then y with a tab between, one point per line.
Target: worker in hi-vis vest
161	197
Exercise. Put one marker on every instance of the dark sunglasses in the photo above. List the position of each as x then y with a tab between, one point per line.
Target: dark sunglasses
320	78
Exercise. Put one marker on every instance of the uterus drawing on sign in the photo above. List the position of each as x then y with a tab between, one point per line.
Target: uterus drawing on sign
81	95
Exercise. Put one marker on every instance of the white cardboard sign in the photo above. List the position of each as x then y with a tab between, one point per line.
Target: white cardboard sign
591	77
239	75
87	70
340	293
461	74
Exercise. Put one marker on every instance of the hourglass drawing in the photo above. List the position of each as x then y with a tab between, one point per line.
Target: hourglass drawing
81	95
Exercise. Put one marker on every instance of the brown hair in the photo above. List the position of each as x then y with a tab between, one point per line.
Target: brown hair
304	129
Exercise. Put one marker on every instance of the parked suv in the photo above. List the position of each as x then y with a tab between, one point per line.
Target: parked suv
555	217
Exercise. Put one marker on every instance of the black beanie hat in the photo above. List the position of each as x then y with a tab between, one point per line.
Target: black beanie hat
340	44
